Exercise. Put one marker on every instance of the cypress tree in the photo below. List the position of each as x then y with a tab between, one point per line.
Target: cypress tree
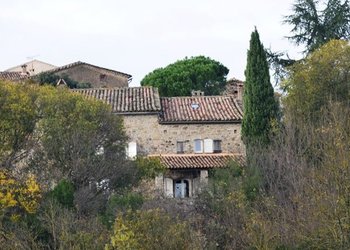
260	106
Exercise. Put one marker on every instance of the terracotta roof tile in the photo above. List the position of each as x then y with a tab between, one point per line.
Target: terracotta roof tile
125	100
200	109
198	161
71	65
12	76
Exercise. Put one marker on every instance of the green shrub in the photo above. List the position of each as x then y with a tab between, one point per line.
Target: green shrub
120	203
64	193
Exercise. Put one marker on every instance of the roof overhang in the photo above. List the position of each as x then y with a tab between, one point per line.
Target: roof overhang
198	161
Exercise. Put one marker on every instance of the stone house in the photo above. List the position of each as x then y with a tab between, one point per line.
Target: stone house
190	135
80	72
97	76
31	68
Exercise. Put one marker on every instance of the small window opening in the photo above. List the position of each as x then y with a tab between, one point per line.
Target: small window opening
103	77
217	146
198	146
181	189
180	147
131	150
195	106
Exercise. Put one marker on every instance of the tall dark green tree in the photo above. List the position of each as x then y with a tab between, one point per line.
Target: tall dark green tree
260	105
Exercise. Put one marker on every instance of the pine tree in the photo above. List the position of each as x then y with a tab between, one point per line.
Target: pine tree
260	106
314	27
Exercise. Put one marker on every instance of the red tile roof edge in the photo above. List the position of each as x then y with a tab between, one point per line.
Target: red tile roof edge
198	161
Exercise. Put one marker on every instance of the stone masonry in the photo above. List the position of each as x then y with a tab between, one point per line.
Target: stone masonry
99	78
155	138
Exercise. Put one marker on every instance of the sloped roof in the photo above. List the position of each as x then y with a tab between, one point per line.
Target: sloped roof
198	161
78	63
126	100
30	62
197	109
12	76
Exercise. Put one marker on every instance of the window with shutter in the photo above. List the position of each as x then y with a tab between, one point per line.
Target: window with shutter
132	149
198	146
208	146
217	146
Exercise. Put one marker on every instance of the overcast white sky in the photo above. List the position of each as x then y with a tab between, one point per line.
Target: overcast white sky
135	36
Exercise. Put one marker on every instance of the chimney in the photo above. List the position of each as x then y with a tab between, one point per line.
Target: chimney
24	70
240	87
197	93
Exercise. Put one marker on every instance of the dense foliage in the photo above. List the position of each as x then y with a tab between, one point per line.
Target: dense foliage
322	77
52	79
65	182
313	27
301	199
151	229
52	137
260	106
183	76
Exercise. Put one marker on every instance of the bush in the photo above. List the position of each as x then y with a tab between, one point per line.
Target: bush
120	203
151	229
64	193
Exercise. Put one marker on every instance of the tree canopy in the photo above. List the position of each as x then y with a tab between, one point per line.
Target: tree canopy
183	76
313	26
260	107
56	135
322	77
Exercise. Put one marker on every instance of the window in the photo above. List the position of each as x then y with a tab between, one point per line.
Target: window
195	106
181	189
198	146
180	147
103	77
217	146
208	146
131	150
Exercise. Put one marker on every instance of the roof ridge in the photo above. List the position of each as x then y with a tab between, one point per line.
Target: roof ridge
126	99
113	88
199	97
88	64
19	65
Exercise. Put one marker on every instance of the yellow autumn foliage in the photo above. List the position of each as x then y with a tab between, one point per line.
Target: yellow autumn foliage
16	194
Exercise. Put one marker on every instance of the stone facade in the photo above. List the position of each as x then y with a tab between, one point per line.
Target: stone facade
190	135
155	138
234	87
97	77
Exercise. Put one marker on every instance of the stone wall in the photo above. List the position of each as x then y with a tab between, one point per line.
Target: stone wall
99	78
154	138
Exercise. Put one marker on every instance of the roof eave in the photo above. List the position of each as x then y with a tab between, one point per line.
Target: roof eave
137	113
200	122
